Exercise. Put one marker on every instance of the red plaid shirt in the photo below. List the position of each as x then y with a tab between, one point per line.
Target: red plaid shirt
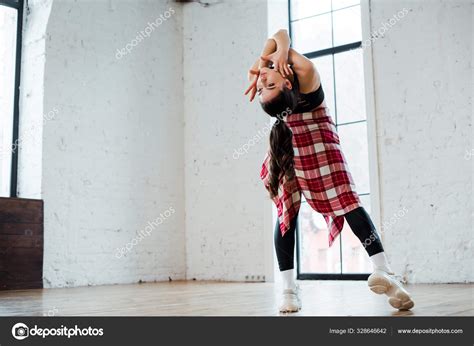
321	172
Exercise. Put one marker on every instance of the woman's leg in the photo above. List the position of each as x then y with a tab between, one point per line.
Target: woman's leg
381	281
364	229
285	249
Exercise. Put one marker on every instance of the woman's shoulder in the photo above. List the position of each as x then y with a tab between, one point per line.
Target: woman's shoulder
318	90
311	100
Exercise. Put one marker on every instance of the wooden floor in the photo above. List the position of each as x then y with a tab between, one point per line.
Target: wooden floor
200	298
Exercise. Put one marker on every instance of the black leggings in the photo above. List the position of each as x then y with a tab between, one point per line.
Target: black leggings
358	220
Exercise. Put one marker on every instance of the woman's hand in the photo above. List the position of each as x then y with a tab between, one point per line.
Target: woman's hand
279	59
252	89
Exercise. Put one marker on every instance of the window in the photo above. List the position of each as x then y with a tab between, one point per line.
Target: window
329	33
11	14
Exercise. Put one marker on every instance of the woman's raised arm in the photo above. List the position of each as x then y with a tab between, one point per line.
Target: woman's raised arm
254	71
308	76
279	57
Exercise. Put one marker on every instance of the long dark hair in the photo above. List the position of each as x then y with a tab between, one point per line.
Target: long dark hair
281	147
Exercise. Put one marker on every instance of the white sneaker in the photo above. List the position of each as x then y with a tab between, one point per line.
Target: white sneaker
291	301
382	282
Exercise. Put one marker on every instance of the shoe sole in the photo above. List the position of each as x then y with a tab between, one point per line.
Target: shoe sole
290	309
291	306
397	298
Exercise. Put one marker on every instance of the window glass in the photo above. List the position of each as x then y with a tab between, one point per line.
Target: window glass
308	8
324	65
338	4
8	26
312	34
350	86
354	145
347	26
315	254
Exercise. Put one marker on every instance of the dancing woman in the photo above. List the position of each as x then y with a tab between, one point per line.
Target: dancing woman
305	157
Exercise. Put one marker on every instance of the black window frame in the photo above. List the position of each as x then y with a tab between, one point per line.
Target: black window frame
18	5
311	55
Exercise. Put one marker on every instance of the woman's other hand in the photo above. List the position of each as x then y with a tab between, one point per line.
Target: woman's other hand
252	89
279	59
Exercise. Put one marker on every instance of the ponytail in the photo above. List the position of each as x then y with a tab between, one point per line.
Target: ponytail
281	146
281	156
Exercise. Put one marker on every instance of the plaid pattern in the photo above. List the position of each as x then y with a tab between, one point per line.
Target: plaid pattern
322	175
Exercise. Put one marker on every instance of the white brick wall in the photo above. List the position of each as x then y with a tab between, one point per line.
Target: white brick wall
113	156
227	208
423	88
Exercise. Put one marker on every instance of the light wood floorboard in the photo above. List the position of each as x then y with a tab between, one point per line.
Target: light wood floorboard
206	298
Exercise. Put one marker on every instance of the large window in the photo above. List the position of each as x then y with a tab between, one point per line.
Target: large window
10	47
329	33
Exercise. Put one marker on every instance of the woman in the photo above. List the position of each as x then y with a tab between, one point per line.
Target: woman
305	158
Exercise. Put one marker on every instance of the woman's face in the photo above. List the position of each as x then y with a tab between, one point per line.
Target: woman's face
270	83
